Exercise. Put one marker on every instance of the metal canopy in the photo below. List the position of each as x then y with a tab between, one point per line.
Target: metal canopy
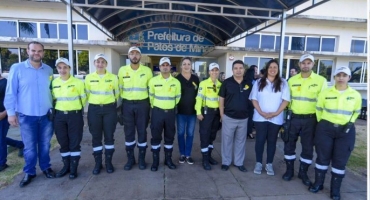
216	20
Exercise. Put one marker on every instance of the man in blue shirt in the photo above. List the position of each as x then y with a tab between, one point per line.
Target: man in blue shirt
27	102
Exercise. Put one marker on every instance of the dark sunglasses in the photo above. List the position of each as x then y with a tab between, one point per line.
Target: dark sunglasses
214	88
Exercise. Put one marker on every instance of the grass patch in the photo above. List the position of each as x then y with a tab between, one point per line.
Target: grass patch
358	159
16	165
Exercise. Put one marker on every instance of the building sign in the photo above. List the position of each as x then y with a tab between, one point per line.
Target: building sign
170	42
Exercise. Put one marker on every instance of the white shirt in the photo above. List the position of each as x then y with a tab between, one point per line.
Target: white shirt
270	101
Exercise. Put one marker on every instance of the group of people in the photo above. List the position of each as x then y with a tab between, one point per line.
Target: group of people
41	105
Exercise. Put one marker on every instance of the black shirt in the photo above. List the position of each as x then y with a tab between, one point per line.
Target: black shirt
189	90
236	97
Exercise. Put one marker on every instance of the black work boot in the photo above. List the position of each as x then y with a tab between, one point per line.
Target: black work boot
289	170
65	169
108	160
130	159
155	160
319	181
168	159
205	161
335	183
211	160
302	174
98	162
73	167
142	152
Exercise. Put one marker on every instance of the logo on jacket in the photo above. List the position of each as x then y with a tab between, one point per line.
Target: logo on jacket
350	98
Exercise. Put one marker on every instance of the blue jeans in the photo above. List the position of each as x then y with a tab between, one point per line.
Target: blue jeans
4	127
185	122
36	132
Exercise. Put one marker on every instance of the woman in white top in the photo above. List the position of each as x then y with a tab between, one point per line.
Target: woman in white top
270	95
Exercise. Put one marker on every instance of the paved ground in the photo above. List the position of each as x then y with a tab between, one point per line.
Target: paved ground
186	182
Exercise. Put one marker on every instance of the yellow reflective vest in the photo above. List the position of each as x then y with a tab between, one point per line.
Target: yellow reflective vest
337	107
103	90
164	93
69	95
304	92
134	84
207	95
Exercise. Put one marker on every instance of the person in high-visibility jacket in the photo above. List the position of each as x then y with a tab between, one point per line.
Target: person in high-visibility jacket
337	109
133	81
304	90
70	97
208	114
102	94
164	94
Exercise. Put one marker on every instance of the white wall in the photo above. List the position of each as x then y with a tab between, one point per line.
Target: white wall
339	8
223	64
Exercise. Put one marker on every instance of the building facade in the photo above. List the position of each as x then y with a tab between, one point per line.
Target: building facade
334	32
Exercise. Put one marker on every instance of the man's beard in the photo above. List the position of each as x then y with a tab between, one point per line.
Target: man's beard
133	62
32	58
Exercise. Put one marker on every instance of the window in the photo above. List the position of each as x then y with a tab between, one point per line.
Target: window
325	69
293	63
267	41
298	43
313	44
24	55
364	80
286	43
327	44
28	29
8	57
63	31
263	62
82	32
252	41
356	71
64	54
8	28
51	55
358	46
83	62
48	30
248	61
